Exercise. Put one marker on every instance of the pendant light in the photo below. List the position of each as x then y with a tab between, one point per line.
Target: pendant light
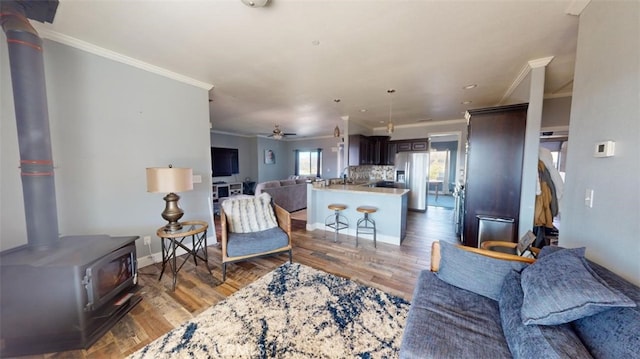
390	126
336	131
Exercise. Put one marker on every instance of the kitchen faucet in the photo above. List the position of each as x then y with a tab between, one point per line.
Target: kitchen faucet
343	174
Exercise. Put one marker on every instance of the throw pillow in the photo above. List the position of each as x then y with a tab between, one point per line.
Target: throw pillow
612	334
249	214
534	341
546	250
561	287
474	272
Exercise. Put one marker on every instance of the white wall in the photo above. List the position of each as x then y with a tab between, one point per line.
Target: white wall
606	106
556	112
283	166
329	158
109	121
251	156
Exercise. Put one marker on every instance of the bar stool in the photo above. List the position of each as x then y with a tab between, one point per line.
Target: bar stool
369	226
336	220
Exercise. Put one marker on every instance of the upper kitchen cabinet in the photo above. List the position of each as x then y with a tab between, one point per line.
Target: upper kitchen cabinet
372	150
392	149
418	144
379	150
359	150
495	150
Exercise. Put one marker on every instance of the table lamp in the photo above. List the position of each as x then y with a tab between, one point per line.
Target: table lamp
170	180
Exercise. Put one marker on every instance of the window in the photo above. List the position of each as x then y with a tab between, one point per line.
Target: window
439	171
442	163
308	163
438	166
557	147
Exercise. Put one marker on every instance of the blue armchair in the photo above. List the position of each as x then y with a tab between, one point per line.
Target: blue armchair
253	227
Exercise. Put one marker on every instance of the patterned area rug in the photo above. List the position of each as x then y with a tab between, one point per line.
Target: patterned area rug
292	312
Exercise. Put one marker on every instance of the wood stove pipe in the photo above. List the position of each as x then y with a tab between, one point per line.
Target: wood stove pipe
30	100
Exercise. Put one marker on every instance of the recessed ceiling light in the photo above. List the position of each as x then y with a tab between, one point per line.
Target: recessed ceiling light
469	87
363	110
466	102
315	42
336	100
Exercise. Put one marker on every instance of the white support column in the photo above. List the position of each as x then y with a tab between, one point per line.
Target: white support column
531	145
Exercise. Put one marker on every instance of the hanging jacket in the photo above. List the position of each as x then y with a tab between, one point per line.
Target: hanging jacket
543	214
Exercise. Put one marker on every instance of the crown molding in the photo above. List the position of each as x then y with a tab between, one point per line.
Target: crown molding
541	62
424	124
312	138
531	64
266	137
576	7
233	134
558	95
112	55
518	80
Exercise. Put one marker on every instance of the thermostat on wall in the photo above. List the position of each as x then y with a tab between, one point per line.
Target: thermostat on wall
604	149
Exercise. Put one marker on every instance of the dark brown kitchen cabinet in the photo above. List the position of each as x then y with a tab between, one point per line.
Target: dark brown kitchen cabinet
495	150
404	146
392	149
359	152
379	150
368	150
418	144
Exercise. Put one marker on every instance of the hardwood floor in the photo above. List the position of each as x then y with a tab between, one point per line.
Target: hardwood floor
393	269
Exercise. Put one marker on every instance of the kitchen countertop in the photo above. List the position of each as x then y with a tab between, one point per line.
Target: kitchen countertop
362	188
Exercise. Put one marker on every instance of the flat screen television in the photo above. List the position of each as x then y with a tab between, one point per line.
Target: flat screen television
224	161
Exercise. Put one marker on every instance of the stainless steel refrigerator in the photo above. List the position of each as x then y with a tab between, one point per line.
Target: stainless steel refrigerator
412	169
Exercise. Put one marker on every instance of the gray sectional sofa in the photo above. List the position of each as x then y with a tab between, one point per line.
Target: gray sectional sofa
290	194
561	306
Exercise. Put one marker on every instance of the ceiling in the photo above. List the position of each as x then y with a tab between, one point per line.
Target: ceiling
286	63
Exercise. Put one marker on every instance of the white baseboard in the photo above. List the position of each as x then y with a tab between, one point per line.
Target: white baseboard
157	256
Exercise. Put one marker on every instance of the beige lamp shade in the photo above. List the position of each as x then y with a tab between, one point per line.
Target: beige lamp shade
169	179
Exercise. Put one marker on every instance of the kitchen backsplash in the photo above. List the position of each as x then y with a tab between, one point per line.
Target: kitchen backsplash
371	173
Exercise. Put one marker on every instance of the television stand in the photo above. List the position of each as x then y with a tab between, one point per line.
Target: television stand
223	190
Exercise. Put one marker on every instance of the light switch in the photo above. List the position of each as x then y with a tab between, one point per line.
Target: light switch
588	198
197	179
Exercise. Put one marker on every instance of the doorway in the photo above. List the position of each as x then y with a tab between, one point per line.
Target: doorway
439	194
552	154
443	155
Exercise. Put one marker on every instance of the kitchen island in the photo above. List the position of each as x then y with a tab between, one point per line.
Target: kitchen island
391	217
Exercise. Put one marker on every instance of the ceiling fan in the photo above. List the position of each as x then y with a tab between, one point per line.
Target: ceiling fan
278	134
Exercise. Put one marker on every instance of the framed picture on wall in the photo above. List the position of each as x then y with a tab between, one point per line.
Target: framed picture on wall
269	157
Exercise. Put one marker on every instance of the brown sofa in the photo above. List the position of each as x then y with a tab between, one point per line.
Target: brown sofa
290	194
